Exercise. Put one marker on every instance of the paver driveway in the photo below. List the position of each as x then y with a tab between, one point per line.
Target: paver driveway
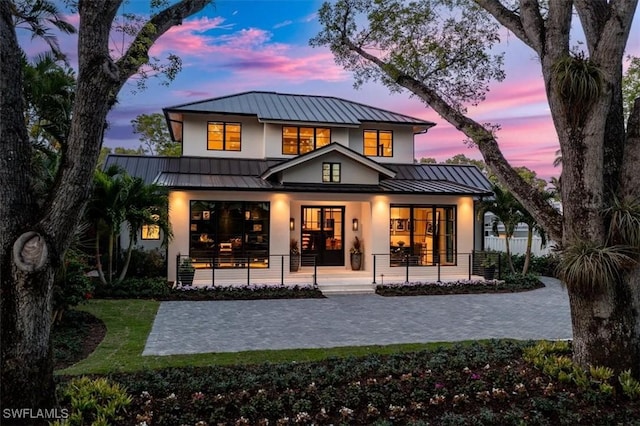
349	320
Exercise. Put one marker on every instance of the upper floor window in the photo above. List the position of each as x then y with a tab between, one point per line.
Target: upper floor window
300	140
330	172
223	136
378	143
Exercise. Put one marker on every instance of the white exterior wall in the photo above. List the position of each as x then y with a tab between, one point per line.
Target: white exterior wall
351	172
195	137
372	212
403	141
264	140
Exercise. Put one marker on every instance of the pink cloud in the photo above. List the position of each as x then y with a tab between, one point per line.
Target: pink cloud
249	52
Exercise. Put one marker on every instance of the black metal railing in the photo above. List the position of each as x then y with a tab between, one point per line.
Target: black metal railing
276	269
426	266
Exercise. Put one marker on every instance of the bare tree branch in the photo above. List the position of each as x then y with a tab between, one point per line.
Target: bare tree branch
509	20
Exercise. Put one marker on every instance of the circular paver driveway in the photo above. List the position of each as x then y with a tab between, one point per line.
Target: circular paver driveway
350	320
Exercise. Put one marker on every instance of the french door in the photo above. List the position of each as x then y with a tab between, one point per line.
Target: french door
323	234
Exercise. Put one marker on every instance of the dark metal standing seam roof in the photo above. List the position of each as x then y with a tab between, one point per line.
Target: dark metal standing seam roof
298	108
244	174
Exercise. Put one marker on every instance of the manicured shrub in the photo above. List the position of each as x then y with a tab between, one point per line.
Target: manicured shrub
94	402
511	283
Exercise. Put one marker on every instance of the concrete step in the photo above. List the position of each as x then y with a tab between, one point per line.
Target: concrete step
344	288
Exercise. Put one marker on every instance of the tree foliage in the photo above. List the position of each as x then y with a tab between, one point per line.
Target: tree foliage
154	135
382	41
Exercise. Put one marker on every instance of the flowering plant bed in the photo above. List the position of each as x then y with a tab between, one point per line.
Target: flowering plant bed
489	383
512	283
245	292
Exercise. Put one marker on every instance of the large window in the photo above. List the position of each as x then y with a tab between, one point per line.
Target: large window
300	140
330	172
378	143
232	232
424	233
223	136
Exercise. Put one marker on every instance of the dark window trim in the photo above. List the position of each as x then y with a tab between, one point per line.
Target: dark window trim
433	208
331	170
315	137
379	147
224	135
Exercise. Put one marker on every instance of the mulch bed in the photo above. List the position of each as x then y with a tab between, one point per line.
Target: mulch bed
76	337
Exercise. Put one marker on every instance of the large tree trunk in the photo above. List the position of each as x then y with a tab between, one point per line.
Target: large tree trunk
43	235
604	327
26	272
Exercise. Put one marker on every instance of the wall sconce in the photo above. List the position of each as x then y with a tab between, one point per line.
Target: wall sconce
292	224
354	224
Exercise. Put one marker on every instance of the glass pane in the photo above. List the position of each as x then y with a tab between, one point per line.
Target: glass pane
335	173
386	144
233	133
215	131
370	143
323	137
306	140
326	172
290	140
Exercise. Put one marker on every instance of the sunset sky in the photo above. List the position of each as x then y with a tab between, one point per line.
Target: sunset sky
237	46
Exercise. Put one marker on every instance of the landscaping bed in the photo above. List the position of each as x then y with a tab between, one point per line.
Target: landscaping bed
245	292
497	382
511	284
75	337
160	289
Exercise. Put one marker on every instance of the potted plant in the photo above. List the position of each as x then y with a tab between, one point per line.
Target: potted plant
489	265
294	255
186	271
356	254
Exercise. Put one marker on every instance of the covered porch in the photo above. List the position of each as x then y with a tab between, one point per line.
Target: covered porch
330	279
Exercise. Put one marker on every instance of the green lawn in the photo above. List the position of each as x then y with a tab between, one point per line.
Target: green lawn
129	323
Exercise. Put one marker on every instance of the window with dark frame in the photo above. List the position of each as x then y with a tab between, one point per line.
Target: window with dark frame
331	172
150	231
300	140
378	143
222	136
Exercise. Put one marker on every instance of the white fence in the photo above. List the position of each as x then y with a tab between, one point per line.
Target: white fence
518	245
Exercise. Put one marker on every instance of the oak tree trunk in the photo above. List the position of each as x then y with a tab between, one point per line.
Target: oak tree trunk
33	240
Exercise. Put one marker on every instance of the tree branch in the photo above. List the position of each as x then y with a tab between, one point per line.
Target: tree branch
593	15
138	52
533	24
508	19
529	196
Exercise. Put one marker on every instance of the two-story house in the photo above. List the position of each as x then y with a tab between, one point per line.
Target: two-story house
259	169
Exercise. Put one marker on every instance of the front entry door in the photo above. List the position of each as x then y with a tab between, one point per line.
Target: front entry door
323	234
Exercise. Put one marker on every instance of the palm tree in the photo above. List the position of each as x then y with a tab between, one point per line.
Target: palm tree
506	210
106	212
533	226
145	204
38	17
119	198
